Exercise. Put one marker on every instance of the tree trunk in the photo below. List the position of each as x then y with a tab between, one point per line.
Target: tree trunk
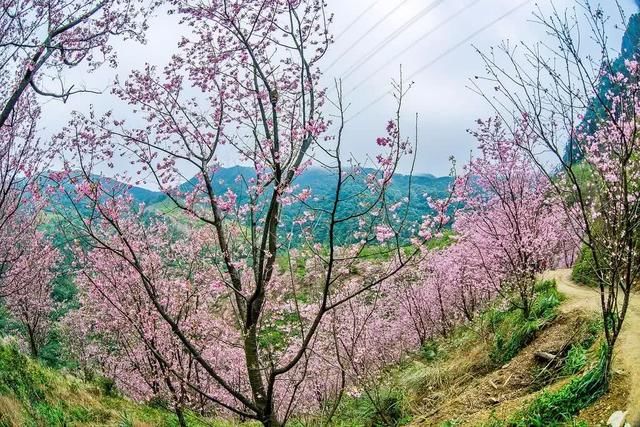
608	361
180	414
271	421
32	343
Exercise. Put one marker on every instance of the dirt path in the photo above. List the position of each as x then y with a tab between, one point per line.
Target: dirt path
627	352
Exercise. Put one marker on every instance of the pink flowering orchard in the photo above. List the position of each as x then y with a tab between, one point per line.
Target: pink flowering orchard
583	137
511	223
177	245
246	80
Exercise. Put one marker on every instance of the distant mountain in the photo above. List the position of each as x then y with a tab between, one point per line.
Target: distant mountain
322	184
139	194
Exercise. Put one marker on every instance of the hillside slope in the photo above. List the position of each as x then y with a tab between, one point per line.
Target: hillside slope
505	370
32	395
627	355
486	373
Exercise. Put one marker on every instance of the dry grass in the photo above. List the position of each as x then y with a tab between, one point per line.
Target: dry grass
10	412
466	387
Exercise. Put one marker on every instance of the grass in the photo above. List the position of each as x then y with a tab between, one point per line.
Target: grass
34	395
512	331
385	407
575	361
583	271
559	407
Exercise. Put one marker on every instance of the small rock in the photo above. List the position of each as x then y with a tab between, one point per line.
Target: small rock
617	419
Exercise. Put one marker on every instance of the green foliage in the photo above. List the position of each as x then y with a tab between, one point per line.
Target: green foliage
41	396
52	353
382	408
577	356
430	350
512	331
583	271
559	407
575	361
444	241
547	301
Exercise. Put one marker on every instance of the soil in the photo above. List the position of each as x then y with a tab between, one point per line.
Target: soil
627	351
499	393
509	387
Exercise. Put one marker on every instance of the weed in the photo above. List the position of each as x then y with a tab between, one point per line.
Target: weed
512	331
430	350
575	361
559	407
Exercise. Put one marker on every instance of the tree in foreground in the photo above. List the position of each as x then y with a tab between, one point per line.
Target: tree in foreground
563	97
27	286
39	42
248	82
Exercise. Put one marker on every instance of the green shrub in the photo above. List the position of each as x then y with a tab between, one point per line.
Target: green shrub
512	331
381	408
509	340
559	407
583	271
575	361
430	351
107	386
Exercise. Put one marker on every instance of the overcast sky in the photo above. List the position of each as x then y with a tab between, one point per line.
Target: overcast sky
431	39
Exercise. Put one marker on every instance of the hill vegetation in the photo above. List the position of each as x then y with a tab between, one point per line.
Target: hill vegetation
311	286
34	395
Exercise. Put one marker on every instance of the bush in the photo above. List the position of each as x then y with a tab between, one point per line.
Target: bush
558	408
382	408
575	361
584	271
512	331
430	350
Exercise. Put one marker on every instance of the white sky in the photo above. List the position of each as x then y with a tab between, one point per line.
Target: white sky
446	108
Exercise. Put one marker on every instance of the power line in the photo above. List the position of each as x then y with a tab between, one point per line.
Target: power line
366	33
445	53
391	37
412	45
357	19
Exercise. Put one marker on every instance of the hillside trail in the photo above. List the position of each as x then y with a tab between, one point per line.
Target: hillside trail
627	351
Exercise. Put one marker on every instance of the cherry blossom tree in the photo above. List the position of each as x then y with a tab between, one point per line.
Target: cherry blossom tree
118	331
511	221
247	81
39	41
27	286
563	96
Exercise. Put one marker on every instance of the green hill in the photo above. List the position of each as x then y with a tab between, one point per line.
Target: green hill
34	395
